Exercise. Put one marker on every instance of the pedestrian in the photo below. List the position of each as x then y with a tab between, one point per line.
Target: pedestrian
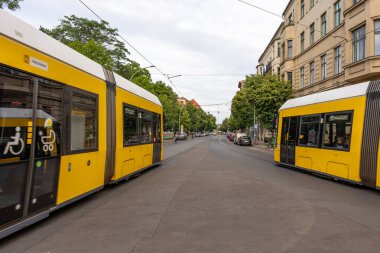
175	137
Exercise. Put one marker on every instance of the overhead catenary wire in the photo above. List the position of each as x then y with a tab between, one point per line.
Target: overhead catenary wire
134	48
277	15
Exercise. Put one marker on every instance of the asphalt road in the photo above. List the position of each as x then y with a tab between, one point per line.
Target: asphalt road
212	196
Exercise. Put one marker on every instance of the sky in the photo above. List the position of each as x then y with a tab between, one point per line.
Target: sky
212	44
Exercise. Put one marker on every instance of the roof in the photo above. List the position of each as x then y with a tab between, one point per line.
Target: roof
32	37
195	103
135	89
276	36
330	95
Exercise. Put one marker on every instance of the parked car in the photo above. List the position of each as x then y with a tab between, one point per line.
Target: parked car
232	136
182	137
214	133
238	135
244	140
168	135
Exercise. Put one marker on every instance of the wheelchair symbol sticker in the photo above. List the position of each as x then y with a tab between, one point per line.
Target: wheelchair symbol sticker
48	140
16	141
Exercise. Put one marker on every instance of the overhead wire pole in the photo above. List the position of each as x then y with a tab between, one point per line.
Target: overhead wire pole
135	49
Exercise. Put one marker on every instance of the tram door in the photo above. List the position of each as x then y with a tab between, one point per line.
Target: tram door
157	142
288	140
30	114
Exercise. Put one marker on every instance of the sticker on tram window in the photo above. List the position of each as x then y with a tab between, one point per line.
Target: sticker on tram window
339	117
49	139
129	111
16	144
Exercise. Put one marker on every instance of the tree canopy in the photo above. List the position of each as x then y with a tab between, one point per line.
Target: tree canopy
260	99
94	39
10	4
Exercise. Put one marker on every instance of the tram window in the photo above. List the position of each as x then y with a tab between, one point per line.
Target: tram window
83	122
131	136
146	127
337	131
309	130
49	119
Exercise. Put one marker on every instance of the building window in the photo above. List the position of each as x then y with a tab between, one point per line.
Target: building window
309	130
290	19
278	71
338	60
130	127
311	72
337	11
311	4
302	41
323	24
377	37
290	77
283	50
302	8
358	44
337	131
312	34
290	48
278	49
323	67
302	77
83	121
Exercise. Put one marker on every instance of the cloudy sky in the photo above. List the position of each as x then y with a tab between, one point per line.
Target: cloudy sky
212	43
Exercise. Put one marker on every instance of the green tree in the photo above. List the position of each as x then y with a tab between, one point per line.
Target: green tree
185	120
10	4
243	109
94	51
87	35
267	94
224	126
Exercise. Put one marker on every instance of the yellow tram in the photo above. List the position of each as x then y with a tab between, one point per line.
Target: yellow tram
334	133
68	127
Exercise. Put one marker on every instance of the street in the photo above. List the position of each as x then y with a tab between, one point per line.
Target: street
210	195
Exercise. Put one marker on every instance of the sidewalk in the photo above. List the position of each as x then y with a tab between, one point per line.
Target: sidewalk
260	144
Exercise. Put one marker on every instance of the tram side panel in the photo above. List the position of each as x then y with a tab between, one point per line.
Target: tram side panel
134	133
83	165
80	171
69	106
319	147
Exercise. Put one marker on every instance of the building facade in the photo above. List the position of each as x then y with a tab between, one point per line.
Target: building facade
328	44
269	61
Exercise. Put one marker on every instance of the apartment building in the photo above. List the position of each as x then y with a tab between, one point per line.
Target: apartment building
269	61
329	43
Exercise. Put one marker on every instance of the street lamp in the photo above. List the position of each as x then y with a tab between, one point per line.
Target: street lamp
170	77
152	66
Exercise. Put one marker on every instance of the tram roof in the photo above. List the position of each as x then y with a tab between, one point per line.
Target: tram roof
330	95
20	31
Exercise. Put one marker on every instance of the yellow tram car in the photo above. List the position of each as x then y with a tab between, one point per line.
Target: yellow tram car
334	133
68	127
